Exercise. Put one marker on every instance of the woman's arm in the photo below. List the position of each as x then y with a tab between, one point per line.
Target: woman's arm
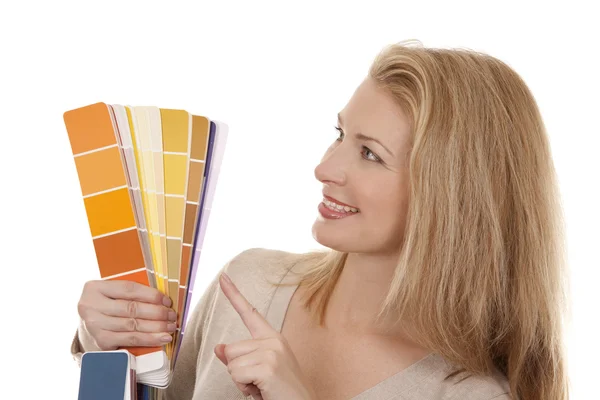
184	375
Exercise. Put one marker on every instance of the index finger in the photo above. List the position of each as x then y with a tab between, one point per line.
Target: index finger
256	324
130	290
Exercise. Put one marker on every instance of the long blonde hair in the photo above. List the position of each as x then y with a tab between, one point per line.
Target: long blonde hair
482	273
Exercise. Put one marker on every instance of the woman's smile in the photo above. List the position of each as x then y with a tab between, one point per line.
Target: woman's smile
330	208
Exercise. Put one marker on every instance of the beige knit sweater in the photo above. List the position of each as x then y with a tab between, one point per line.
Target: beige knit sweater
199	375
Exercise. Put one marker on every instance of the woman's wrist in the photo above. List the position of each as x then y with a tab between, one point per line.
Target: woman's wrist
86	341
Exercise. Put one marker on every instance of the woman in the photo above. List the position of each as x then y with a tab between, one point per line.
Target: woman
444	278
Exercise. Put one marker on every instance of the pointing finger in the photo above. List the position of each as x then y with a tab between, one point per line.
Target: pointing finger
256	324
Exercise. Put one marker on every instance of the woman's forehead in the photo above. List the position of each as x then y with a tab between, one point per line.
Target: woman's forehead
373	112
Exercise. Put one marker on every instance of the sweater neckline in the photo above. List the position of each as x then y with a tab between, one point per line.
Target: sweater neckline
395	384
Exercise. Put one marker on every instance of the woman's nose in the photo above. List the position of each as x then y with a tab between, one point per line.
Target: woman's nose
330	170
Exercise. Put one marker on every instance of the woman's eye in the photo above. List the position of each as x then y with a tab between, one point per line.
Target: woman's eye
366	153
369	155
341	133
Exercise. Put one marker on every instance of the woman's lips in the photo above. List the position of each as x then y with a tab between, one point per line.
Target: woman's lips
328	213
337	201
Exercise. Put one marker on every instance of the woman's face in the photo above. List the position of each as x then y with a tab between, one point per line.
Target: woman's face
370	176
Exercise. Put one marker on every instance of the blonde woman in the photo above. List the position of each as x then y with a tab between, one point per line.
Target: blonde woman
443	277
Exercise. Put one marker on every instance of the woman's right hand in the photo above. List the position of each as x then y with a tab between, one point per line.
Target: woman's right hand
124	313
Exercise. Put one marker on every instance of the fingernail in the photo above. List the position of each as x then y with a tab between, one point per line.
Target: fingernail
166	338
167	301
171	327
226	277
172	315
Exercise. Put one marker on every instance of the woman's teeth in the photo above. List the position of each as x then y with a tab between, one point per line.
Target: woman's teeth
339	208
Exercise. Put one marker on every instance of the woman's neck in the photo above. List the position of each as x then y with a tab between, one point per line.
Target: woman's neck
359	293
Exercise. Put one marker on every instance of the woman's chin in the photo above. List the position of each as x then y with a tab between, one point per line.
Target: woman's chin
331	238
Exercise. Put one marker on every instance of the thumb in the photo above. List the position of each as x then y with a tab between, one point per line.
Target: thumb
220	353
249	389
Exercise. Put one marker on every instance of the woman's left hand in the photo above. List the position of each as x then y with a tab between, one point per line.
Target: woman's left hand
264	366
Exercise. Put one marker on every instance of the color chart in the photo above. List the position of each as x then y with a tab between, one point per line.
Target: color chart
147	176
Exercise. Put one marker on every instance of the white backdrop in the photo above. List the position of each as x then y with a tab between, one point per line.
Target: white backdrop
277	73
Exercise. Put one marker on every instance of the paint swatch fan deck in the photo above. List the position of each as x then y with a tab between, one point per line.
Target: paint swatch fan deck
148	177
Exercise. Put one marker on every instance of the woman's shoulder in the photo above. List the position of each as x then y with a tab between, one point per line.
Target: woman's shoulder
433	377
257	263
494	385
256	271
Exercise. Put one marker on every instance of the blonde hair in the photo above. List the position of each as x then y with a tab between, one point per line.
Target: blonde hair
481	278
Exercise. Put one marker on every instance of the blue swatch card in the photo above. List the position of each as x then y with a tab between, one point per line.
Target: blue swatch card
105	376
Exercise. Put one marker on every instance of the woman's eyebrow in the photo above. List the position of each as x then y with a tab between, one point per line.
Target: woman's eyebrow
372	139
367	138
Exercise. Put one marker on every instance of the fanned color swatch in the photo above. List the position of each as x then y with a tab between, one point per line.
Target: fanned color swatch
147	176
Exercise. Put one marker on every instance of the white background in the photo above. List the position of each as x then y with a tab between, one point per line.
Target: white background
277	73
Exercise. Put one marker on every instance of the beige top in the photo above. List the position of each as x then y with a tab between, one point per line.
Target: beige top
200	375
